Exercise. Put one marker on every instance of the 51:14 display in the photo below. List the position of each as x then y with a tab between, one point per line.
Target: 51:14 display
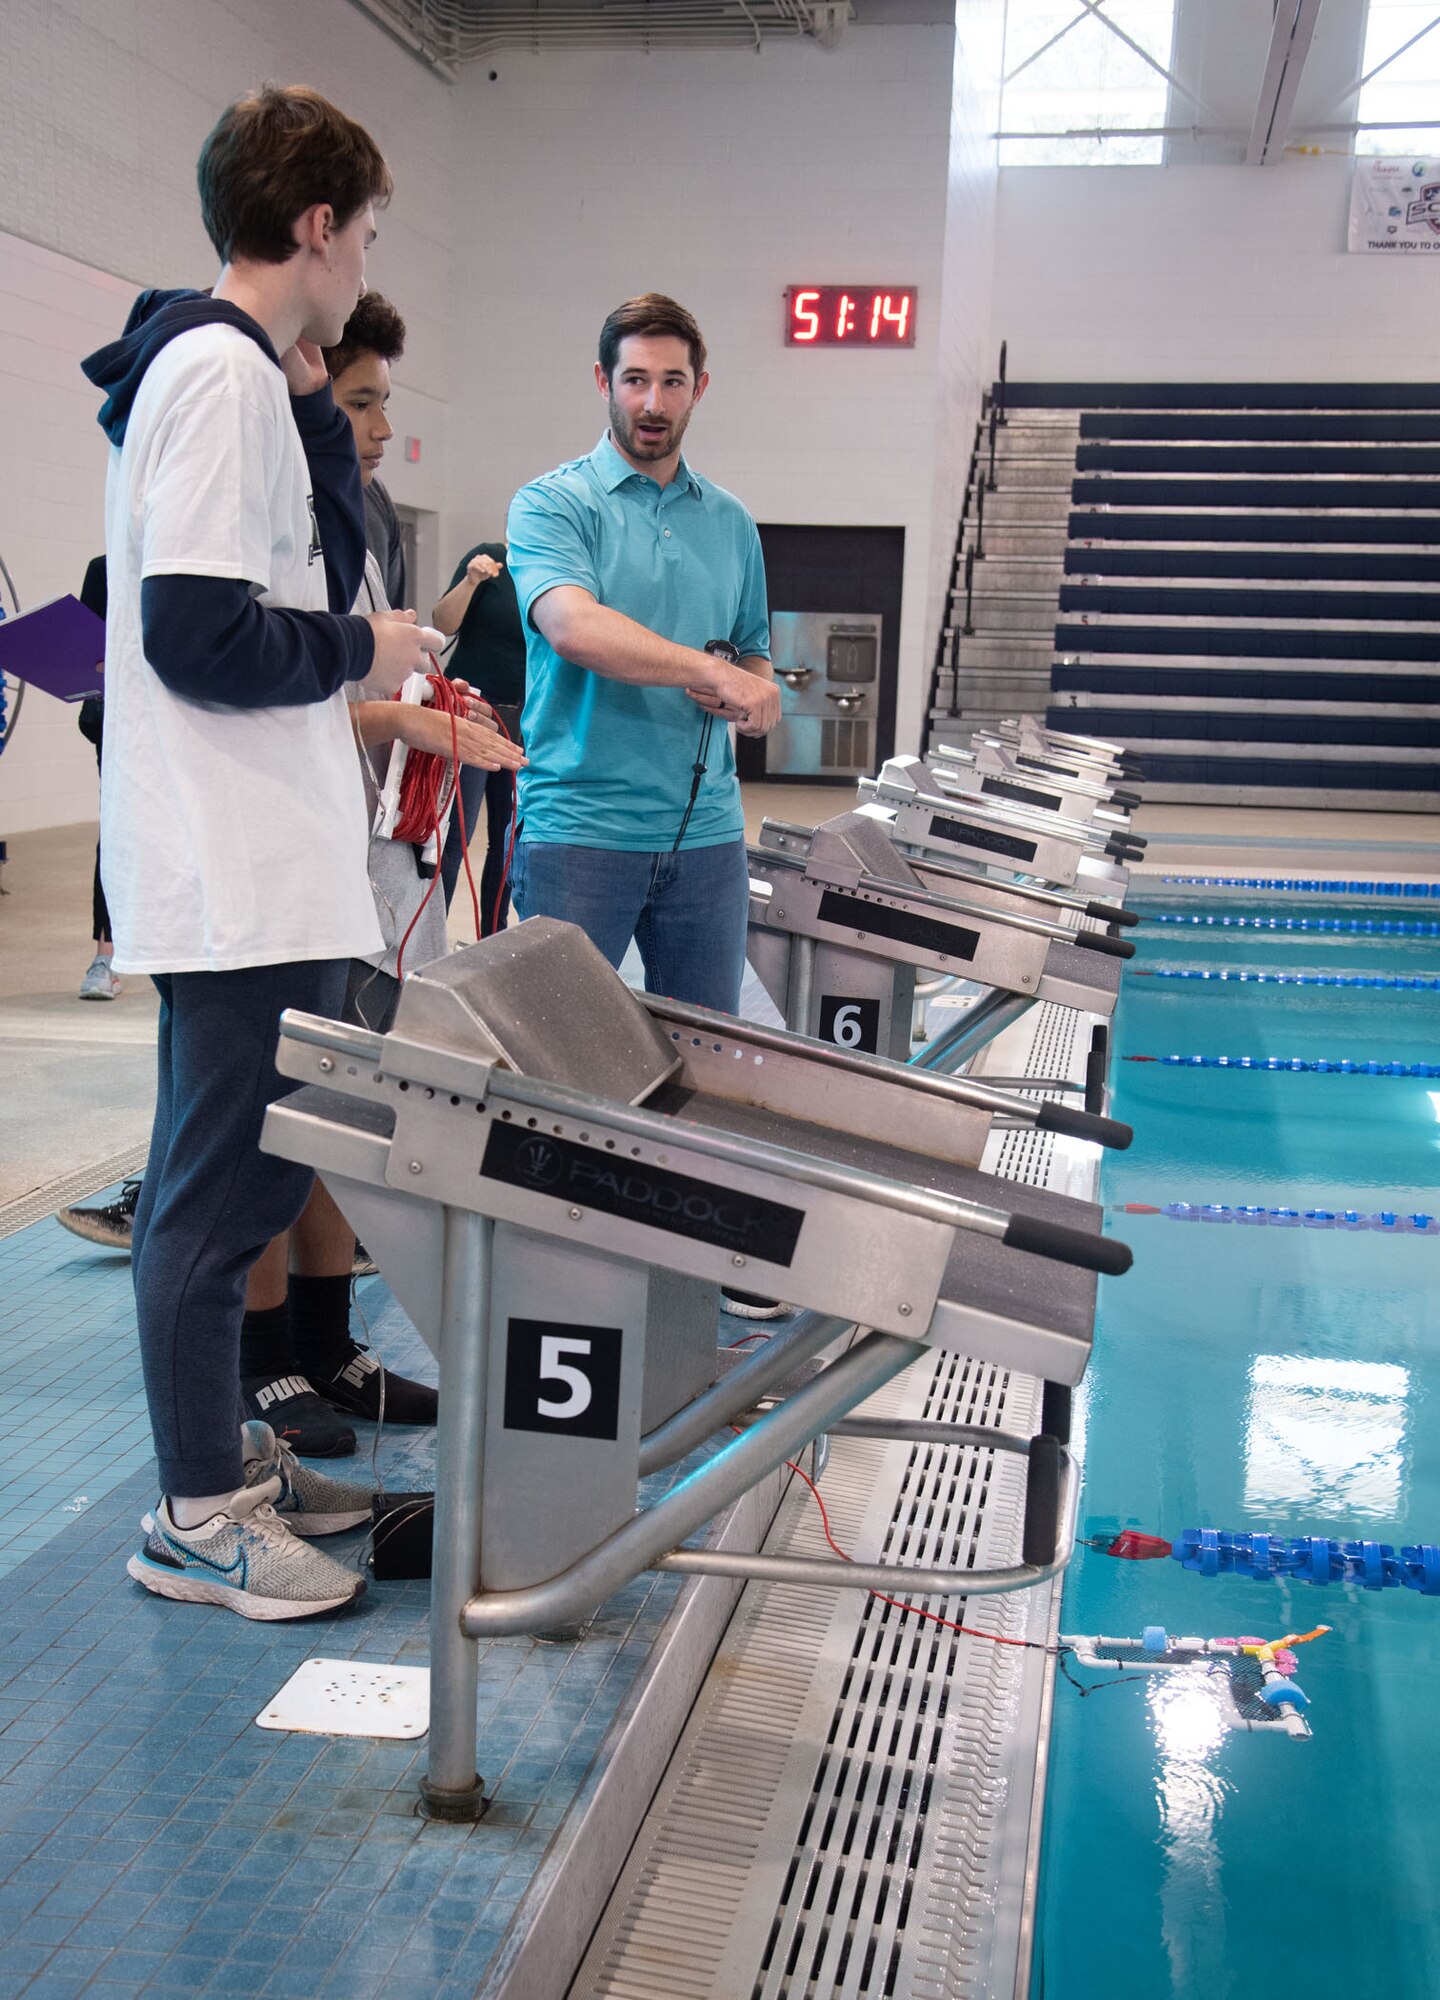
850	316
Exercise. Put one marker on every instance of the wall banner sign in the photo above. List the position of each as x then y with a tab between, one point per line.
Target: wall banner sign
1395	206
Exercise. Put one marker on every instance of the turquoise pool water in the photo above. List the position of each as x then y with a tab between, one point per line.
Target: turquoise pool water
1259	1378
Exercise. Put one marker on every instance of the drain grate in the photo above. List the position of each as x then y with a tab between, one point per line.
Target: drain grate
822	1831
851	1811
43	1201
1028	1156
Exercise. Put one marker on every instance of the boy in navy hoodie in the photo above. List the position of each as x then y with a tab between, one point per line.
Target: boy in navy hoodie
232	816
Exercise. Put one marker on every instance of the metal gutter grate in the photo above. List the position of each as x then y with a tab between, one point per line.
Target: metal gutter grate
851	1811
801	1845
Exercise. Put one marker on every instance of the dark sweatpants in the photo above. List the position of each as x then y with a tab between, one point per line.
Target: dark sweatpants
211	1201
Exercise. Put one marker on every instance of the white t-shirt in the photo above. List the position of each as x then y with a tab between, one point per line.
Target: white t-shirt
230	837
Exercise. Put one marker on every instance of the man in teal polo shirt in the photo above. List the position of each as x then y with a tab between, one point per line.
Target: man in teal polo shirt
627	567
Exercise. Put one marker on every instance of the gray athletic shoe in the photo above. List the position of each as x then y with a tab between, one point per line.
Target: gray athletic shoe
99	982
309	1503
245	1559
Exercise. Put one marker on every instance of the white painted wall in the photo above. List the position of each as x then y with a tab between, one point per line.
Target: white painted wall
1211	273
104	105
721	178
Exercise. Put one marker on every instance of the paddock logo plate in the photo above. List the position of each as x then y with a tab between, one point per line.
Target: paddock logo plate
912	927
638	1192
1006	788
987	837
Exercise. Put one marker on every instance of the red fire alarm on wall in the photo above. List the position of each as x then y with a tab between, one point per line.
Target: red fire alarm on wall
412	451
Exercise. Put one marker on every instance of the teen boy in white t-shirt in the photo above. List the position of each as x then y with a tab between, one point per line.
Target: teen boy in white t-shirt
232	814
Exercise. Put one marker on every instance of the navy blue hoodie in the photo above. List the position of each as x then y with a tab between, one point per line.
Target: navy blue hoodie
206	637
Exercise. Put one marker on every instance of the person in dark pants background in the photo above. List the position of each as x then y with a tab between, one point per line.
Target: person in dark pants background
490	653
100	982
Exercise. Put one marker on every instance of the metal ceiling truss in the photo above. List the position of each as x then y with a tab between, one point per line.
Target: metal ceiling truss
446	34
1290	38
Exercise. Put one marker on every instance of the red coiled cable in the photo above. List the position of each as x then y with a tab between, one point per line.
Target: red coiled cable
427	788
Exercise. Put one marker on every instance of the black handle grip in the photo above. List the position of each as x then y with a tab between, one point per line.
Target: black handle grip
1102	942
1110	913
1041	1532
1118	849
1076	1124
1132	767
1055	1401
1127	800
1068	1246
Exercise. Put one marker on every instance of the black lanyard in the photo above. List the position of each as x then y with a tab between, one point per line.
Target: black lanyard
723	650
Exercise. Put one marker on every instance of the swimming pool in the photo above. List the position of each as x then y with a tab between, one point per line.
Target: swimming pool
1260	1377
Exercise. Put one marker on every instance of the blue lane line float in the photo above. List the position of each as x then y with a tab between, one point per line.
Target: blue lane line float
1296	1065
1333	926
1308	885
1388	1222
1422	983
1310	1559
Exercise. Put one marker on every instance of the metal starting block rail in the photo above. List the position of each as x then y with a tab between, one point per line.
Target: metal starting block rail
555	1175
981	832
1052	793
1089	781
841	921
1027	734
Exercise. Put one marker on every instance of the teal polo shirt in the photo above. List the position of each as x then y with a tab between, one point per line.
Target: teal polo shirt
611	763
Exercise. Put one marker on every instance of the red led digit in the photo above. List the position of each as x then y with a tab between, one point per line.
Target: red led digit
801	311
875	305
844	316
901	319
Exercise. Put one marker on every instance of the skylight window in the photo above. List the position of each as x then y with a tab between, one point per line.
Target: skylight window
1401	74
1085	81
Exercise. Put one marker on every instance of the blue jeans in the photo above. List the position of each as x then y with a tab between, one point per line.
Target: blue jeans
211	1201
687	912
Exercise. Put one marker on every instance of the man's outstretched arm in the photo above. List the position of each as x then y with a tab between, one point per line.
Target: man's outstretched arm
589	634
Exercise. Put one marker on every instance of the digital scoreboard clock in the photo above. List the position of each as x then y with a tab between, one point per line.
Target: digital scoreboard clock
850	316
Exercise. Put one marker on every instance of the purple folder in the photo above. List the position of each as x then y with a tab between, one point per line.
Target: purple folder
58	647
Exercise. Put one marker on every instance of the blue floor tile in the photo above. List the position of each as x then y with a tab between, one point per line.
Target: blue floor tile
153	1840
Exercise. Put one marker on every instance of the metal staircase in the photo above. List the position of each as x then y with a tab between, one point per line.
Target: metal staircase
1239	580
997	645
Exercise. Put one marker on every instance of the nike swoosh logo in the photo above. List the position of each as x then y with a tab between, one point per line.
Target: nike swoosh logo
221	1569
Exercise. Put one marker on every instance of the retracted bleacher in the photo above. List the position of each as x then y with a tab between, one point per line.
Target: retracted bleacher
1250	593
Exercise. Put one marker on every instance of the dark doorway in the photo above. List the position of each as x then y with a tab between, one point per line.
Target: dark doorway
840	570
